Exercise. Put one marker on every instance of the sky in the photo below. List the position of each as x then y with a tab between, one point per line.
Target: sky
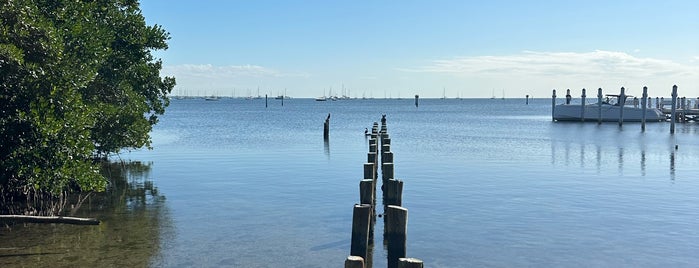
468	49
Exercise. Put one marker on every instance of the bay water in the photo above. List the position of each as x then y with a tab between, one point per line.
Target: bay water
488	183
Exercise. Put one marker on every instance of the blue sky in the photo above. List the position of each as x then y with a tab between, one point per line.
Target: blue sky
401	48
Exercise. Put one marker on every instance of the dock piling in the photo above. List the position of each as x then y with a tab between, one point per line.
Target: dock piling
582	106
553	106
599	106
410	263
643	103
393	192
622	102
673	110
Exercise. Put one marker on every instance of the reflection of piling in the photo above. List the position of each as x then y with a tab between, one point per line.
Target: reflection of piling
360	230
395	229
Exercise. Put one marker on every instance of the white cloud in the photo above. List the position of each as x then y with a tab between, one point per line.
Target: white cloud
543	71
598	63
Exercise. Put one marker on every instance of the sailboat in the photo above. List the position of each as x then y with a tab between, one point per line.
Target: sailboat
493	97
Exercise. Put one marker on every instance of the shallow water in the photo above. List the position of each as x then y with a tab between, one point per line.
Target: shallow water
488	183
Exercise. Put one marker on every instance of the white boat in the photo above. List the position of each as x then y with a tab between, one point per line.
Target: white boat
321	98
609	111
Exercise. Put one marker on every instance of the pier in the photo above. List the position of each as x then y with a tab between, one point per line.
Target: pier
364	214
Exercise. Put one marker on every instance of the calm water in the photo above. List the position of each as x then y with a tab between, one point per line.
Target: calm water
488	183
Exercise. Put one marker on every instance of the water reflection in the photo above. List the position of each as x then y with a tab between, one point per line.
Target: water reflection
627	159
133	215
326	146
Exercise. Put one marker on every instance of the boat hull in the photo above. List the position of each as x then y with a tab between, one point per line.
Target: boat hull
609	113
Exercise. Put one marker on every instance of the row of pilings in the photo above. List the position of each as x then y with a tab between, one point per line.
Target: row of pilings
678	111
364	215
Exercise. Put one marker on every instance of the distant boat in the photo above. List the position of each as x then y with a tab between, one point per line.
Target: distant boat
323	98
609	110
212	98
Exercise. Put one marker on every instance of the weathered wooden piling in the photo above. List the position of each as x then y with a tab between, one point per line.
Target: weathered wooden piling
387	157
568	97
371	158
673	110
386	171
366	192
354	262
527	102
410	263
395	232
265	100
582	106
417	97
393	192
326	128
385	148
369	171
643	103
372	142
361	218
553	106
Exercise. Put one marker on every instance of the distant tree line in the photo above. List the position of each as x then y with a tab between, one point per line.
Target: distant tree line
77	82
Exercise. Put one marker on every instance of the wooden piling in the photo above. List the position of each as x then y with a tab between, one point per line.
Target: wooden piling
673	110
417	97
265	100
354	262
361	218
568	97
371	158
386	171
385	148
366	192
387	157
553	106
393	192
372	142
409	263
643	103
395	232
582	106
369	171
